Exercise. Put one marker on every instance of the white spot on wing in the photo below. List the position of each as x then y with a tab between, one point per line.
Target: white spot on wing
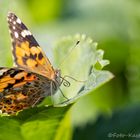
14	27
18	21
12	17
14	22
25	33
9	19
16	34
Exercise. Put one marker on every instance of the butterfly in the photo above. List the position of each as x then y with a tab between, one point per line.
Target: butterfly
32	78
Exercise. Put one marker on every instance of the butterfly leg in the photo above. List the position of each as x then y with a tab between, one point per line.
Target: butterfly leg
37	101
54	85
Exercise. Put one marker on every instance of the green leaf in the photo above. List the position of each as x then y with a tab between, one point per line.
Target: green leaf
79	58
36	123
123	124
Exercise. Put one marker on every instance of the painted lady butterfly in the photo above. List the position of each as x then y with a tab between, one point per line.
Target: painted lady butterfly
33	77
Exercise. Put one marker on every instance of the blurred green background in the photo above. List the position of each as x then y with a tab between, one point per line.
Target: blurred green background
115	25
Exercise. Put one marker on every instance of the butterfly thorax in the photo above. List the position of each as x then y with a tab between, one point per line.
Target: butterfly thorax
50	84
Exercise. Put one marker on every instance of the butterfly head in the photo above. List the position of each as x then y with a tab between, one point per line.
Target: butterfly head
58	72
57	77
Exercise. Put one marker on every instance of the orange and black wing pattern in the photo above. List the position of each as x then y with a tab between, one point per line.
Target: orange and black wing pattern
26	51
19	90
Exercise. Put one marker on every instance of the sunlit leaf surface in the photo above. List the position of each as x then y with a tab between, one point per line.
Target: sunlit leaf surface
81	65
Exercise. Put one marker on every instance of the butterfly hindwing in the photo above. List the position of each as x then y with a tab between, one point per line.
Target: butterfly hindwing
20	89
26	51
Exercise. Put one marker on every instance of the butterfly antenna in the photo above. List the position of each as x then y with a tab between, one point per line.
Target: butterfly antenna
67	76
69	52
65	82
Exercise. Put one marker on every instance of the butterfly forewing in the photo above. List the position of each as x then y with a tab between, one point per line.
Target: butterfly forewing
32	79
26	51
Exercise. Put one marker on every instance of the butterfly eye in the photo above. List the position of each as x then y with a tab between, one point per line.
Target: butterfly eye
58	72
